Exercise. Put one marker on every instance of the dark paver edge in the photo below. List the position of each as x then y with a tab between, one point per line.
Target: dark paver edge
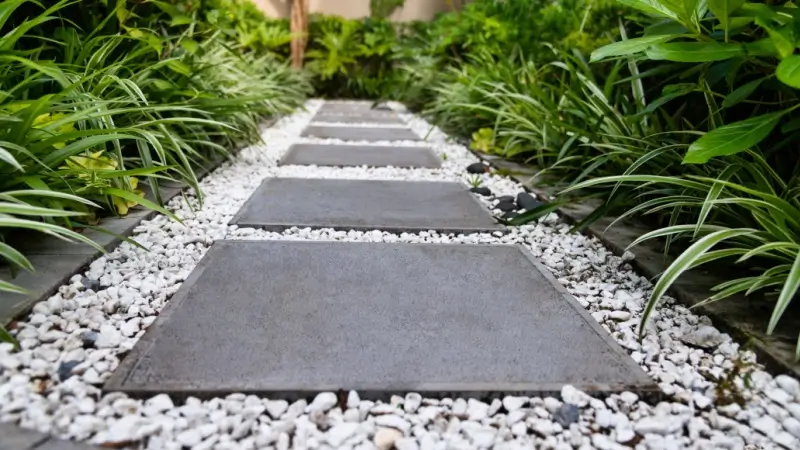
765	347
647	387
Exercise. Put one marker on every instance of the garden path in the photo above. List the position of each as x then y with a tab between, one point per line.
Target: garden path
295	319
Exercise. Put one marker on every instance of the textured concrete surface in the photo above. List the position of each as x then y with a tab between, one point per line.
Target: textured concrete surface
360	155
16	438
303	317
281	203
361	133
348	108
376	117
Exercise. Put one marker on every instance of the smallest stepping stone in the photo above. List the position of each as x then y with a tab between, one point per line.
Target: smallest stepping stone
360	155
378	118
361	133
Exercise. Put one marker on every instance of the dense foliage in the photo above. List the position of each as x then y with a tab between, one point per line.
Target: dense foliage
680	113
101	99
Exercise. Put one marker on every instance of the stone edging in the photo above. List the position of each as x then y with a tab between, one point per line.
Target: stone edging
733	316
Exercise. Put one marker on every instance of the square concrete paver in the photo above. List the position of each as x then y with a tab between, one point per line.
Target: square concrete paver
398	206
361	155
360	133
378	117
349	108
295	318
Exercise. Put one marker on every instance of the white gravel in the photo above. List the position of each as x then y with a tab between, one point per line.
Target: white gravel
78	334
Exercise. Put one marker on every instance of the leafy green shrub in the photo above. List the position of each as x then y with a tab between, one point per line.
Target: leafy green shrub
97	100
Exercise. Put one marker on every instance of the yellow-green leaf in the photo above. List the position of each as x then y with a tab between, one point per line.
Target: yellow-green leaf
788	71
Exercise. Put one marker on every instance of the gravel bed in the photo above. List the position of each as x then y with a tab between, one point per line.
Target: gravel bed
72	342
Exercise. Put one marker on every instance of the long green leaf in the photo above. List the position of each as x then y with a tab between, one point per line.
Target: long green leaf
732	138
681	264
630	46
788	292
693	52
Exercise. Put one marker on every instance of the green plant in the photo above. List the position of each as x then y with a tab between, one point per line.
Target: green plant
99	99
475	181
382	9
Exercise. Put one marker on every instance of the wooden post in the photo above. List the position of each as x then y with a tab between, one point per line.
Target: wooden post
299	28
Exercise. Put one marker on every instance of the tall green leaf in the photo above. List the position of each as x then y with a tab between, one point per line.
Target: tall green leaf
630	46
732	138
693	52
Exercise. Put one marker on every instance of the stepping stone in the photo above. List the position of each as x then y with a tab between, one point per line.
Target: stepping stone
291	319
396	206
361	133
360	155
343	108
376	118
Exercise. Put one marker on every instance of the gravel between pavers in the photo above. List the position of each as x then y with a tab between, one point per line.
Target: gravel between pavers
78	333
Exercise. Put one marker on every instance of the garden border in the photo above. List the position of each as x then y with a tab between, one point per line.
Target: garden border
60	266
774	352
60	260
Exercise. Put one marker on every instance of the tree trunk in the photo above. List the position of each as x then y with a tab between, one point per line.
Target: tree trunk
299	28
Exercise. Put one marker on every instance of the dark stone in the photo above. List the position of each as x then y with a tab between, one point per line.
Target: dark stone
506	206
527	202
382	107
477	168
89	338
390	205
65	369
505	198
567	414
303	317
482	190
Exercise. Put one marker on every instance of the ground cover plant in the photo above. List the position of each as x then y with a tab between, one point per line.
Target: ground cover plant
687	119
99	99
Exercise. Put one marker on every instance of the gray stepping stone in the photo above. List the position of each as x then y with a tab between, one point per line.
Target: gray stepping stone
291	319
361	133
397	206
360	155
373	118
349	107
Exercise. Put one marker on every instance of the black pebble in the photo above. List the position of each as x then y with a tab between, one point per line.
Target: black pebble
482	190
566	415
527	201
65	369
477	168
89	338
506	206
505	198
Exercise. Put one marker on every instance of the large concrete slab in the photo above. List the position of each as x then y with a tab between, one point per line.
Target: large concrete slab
360	133
380	118
360	155
398	206
295	318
